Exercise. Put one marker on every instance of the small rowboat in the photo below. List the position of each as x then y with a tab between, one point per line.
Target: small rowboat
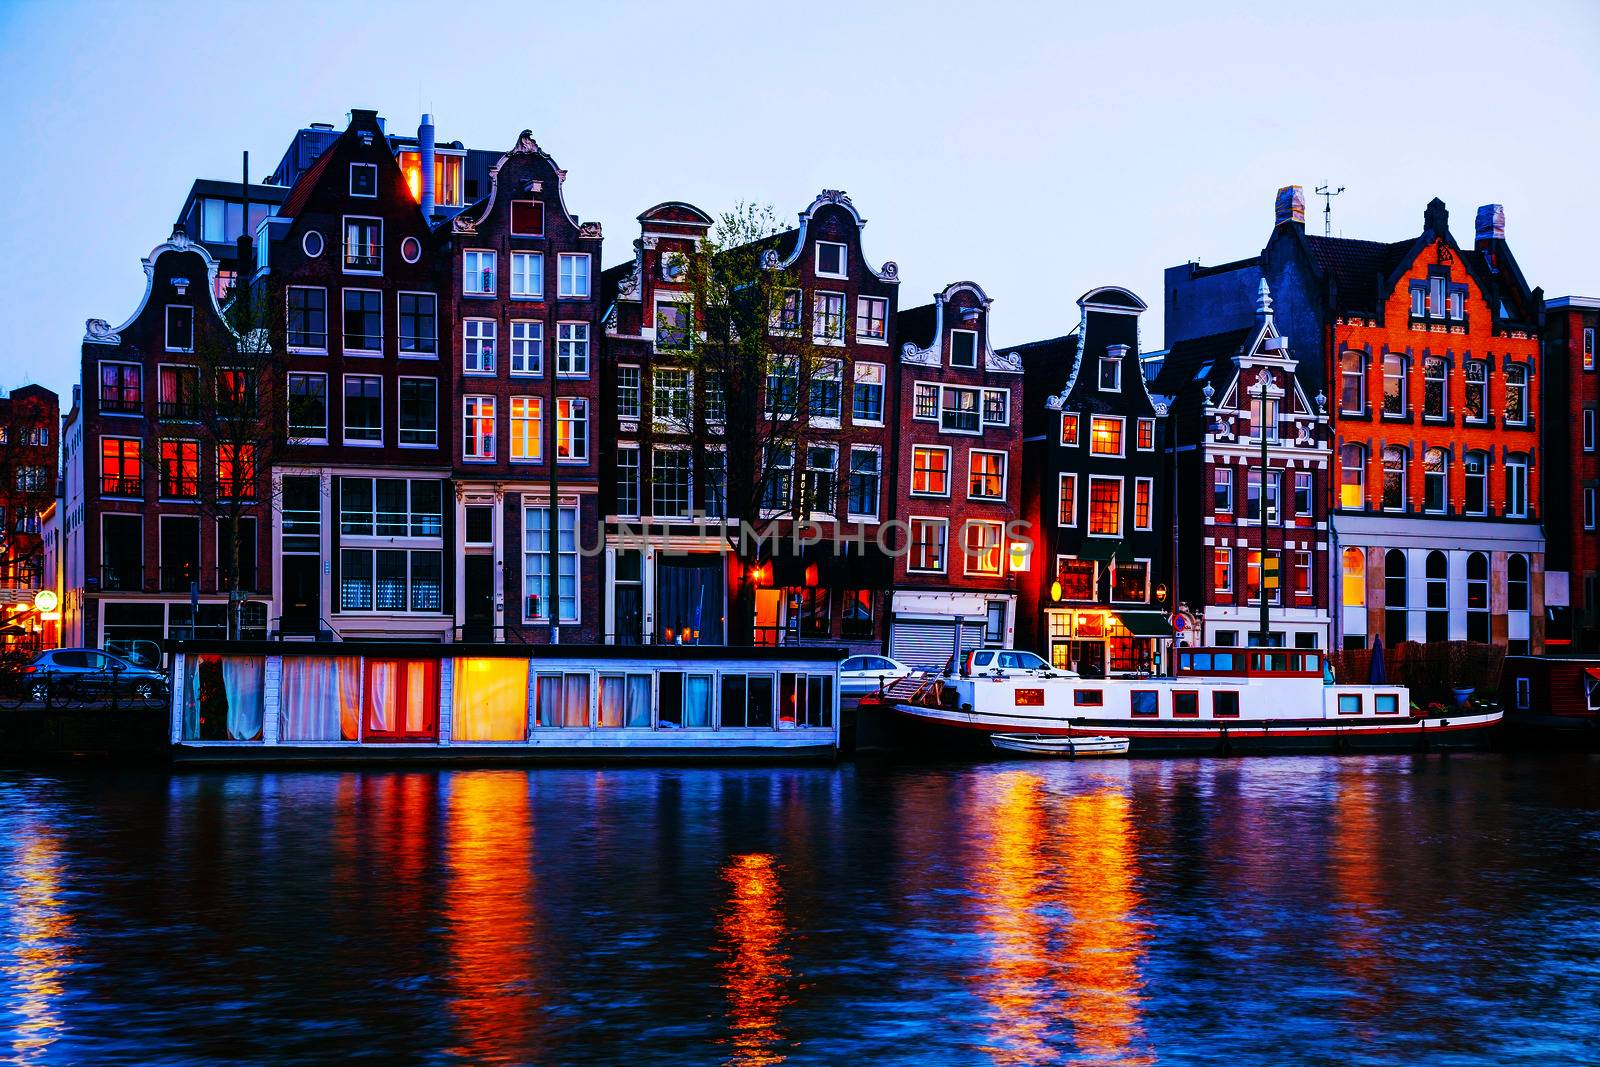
1068	747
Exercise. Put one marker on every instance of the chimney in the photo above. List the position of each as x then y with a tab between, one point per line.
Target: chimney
244	250
1491	223
425	154
1290	206
1436	218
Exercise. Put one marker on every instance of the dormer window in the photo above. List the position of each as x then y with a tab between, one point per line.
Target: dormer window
363	179
527	218
831	259
963	348
1438	300
180	328
1111	369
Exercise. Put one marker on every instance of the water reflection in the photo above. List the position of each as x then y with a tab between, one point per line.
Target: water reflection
755	967
38	928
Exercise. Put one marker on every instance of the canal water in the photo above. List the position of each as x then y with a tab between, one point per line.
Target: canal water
1404	909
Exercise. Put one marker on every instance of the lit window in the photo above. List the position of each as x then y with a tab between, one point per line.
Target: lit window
997	407
1143	491
1105	435
1067	500
572	430
1147	435
180	469
1105	507
1352	477
1069	429
930	471
363	245
236	471
1222	570
477	427
927	542
986	475
982	542
121	469
527	429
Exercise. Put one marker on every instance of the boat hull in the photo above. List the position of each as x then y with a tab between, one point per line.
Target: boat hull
949	730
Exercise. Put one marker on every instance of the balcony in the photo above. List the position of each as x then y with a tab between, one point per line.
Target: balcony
122	575
178	410
121	405
121	485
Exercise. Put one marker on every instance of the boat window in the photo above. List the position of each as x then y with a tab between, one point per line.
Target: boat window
625	700
1186	704
1223	661
805	700
1349	703
1524	694
684	700
1276	662
1088	698
1310	664
1225	704
1386	703
747	700
1146	702
1186	661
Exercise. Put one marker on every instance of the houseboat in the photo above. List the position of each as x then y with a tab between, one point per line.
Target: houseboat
349	701
1219	700
1552	699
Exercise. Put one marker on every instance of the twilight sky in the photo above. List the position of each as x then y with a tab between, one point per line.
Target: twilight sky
1034	148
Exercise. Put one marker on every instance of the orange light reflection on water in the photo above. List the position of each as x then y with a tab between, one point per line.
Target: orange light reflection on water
39	930
755	967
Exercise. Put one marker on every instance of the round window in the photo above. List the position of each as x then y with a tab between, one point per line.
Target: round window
312	243
411	249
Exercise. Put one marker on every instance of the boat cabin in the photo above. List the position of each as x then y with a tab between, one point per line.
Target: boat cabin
1234	662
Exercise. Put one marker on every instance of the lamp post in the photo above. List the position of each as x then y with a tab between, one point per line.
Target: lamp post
1265	637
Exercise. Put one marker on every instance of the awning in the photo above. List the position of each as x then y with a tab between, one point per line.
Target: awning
1146	623
1099	550
1593	672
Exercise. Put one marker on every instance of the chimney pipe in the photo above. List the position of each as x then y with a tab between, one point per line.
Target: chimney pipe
1290	206
1491	223
245	248
425	154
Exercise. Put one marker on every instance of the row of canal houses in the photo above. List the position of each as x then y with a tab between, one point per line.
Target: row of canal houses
493	436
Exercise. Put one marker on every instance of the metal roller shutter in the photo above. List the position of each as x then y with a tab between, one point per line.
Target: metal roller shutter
919	643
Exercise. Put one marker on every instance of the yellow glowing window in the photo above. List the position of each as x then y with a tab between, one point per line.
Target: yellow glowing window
446	178
1105	436
1355	578
491	700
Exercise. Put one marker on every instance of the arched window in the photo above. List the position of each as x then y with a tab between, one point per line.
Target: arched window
1478	597
1436	573
1394	597
1477	465
1394	478
1435	480
1517	582
1352	477
1355	578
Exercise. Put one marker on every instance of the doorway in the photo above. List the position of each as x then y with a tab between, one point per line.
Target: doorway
478	585
302	594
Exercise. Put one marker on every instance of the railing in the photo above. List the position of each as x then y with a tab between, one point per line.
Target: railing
178	410
122	576
363	257
176	578
121	405
121	485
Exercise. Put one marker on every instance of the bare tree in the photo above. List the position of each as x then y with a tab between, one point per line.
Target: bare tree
26	490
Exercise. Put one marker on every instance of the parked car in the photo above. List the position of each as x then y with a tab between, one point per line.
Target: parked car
860	675
90	674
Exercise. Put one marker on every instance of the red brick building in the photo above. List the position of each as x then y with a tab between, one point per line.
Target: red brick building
1572	471
30	418
958	481
524	351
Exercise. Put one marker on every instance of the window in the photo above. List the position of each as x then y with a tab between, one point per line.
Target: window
1458	303
572	430
536	564
527	431
786	311
1352	477
1394	597
1067	500
1589	501
1419	300
1477	467
1354	578
419	332
1105	435
930	470
783	386
963	348
1588	429
1349	703
1130	582
1516	394
1353	383
419	412
1394	478
308	407
925	401
958	410
669	397
1143	491
121	388
1302	495
1110	374
822	471
1222	570
1145	703
1478	598
527	349
1435	387
1222	489
1225	704
777	489
1517	582
1517	485
831	259
379	507
1588	348
308	319
1185	704
527	276
527	219
1069	429
478	272
1264	419
982	543
363	407
928	545
867	402
986	475
628	392
1435	480
1436	297
180	328
715	398
180	469
866	466
827	317
236	472
1394	385
872	313
572	349
1078	578
1252	494
670	482
363	246
390	580
826	384
363	321
1436	582
1147	435
1105	507
477	346
627	475
714	483
1477	392
363	179
997	407
477	427
573	276
1252	577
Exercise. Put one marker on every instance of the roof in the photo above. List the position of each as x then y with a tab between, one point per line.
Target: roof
1191	363
259	194
1359	269
300	192
915	325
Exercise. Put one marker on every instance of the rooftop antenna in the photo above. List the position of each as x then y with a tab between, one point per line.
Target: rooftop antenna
1328	193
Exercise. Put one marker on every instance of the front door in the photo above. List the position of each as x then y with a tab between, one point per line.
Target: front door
1088	658
478	585
302	594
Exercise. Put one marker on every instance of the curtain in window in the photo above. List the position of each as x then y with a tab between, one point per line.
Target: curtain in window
697	700
382	691
320	699
242	682
419	699
491	699
575	701
222	698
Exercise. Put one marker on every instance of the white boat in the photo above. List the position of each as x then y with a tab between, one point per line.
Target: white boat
1224	700
1055	745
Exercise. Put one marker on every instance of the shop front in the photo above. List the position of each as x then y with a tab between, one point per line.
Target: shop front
1099	641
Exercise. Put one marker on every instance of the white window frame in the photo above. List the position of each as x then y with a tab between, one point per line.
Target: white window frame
576	404
1077	429
844	259
344	412
1122	436
1099	378
534	415
488	259
327	326
1219	552
944	390
881	338
322	438
373	167
1088	509
519	257
676	422
911	542
344	235
1526	389
828	370
1150	516
343	345
818	335
532	334
553	567
1063	494
949	470
625	448
1589	506
1138	428
1005	472
922	387
166	329
983	407
855	516
474	407
1517	503
657	468
1444	392
635	411
976	355
967	557
831	447
1223	473
1588	430
562	341
573	258
474	333
398	339
399	398
869	374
